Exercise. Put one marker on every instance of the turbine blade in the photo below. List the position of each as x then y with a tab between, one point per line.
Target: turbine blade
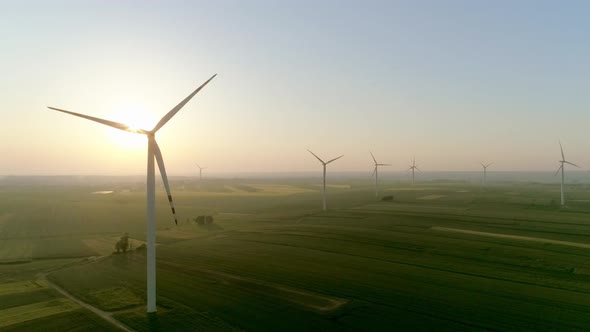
109	123
334	159
175	110
383	164
418	169
559	169
198	166
482	165
160	161
375	160
490	164
567	162
561	147
318	158
374	171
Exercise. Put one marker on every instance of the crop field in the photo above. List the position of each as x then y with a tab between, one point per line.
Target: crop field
440	255
34	311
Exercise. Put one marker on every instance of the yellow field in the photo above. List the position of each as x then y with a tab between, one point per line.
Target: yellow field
264	190
338	186
431	197
19	287
410	188
277	189
28	312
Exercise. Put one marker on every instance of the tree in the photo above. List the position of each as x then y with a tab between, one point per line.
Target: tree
123	244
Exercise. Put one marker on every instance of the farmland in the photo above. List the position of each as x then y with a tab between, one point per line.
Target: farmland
448	255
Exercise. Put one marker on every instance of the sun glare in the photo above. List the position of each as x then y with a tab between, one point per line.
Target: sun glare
136	117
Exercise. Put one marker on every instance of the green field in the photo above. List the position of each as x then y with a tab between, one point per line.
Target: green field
442	255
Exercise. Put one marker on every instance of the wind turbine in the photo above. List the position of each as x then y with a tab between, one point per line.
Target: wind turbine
152	151
324	163
485	171
200	172
413	167
376	173
562	168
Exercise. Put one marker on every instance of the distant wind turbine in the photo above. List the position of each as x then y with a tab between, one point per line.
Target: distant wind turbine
376	173
200	172
485	171
562	168
324	163
152	151
413	167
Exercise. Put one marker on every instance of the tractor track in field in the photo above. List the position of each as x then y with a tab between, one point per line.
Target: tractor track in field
108	316
465	216
513	237
417	249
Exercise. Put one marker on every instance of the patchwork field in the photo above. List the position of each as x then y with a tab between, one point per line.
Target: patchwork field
441	255
31	305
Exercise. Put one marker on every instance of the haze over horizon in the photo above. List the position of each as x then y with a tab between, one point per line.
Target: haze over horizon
451	83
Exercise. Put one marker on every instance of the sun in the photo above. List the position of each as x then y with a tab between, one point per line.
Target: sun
136	117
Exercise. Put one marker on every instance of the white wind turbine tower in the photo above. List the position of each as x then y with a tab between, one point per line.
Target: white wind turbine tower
485	171
324	163
376	173
413	167
200	172
152	151
562	168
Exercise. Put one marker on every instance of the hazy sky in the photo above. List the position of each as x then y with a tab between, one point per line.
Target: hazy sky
451	82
